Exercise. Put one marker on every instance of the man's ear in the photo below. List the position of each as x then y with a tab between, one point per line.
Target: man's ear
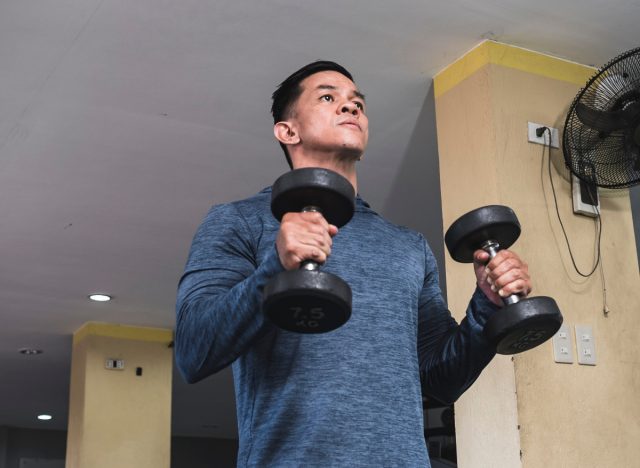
286	133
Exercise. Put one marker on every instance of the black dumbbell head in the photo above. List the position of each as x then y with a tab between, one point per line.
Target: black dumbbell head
306	301
470	231
524	325
329	191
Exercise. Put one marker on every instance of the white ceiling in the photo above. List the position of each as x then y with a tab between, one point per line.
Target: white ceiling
122	122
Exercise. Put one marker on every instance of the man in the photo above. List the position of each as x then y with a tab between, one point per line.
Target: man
350	397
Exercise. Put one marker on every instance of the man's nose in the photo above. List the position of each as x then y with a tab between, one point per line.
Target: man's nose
350	107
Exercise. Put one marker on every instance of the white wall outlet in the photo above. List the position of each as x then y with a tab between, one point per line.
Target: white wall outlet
585	198
586	345
544	138
114	364
562	345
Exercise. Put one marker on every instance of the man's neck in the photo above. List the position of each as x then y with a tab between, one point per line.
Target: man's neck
346	167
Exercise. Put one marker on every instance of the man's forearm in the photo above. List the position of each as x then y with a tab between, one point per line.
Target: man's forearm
460	354
214	324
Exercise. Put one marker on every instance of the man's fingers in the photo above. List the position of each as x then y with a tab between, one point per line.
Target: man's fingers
480	257
508	274
512	282
506	266
314	217
501	257
323	243
304	236
310	253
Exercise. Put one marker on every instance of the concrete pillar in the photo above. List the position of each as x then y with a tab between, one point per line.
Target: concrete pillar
531	411
120	417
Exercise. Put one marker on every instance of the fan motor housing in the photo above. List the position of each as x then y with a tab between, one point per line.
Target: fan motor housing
601	140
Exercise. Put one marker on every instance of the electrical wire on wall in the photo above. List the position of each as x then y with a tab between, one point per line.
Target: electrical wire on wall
598	224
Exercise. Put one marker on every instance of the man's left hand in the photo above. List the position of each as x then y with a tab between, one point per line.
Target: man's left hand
504	275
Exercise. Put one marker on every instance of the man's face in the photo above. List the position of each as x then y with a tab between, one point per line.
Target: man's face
329	115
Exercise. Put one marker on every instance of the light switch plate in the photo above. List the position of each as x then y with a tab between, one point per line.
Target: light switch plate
586	345
114	364
562	345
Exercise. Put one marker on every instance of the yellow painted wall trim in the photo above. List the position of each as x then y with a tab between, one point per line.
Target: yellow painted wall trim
513	57
125	332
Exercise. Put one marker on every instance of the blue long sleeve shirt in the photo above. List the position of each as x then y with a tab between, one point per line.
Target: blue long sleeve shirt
347	398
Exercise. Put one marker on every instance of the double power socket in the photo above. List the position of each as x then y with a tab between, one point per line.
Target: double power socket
585	345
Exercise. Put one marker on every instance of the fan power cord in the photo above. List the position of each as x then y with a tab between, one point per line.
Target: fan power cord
598	220
540	131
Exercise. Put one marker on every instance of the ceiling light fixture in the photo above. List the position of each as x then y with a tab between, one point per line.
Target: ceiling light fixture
30	351
45	417
100	297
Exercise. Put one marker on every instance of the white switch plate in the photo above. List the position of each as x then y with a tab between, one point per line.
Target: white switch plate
586	345
562	345
544	139
114	364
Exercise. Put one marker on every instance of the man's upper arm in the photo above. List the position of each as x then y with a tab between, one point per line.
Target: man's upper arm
219	297
451	356
222	253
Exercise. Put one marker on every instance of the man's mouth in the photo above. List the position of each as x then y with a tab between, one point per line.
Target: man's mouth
351	123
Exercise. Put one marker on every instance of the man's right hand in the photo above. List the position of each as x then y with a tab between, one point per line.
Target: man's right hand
304	236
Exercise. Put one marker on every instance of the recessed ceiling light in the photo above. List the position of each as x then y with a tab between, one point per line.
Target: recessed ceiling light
100	297
30	351
45	417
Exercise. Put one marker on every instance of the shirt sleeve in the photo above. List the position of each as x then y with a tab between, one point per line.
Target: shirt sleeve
218	309
451	355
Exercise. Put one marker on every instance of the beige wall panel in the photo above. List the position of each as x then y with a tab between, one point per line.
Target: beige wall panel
569	415
118	418
466	146
486	415
76	405
589	408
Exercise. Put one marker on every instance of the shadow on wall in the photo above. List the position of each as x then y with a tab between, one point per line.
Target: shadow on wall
414	199
635	212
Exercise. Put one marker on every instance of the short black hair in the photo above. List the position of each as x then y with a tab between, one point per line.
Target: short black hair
289	91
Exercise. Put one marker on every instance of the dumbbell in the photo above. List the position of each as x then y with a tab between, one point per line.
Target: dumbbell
523	323
308	300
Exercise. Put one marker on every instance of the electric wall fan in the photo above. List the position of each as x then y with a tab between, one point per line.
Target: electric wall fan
601	140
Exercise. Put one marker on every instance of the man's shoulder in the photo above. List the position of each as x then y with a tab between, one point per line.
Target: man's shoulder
240	217
404	230
388	226
255	205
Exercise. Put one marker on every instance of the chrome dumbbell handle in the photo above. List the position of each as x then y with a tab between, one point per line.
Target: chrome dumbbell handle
310	265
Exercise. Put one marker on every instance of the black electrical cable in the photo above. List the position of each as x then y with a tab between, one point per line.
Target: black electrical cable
598	218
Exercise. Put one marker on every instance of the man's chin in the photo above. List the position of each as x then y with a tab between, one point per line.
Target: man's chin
351	152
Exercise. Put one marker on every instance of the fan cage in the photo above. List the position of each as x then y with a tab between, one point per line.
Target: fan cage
606	159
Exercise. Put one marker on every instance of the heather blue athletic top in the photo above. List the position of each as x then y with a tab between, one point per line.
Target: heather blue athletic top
347	398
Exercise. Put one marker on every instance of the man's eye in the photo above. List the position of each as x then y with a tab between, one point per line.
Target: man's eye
359	105
327	97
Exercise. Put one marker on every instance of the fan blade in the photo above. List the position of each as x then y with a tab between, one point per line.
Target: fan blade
607	121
